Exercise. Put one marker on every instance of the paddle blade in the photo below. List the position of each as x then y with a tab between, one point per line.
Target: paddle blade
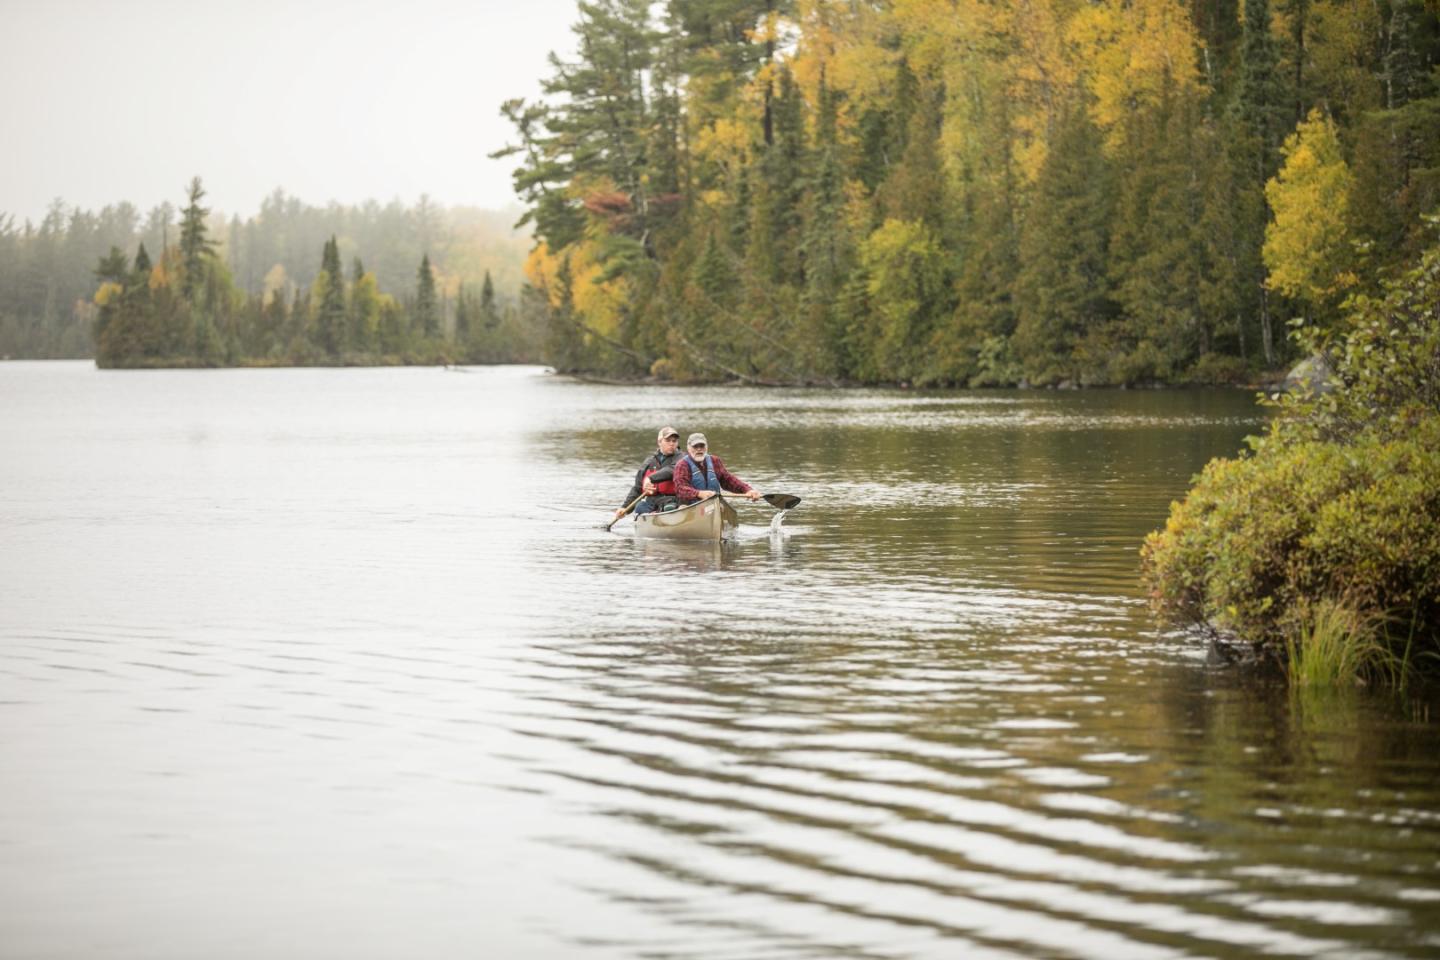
781	501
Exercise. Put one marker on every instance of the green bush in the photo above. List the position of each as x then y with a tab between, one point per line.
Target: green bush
1328	533
1216	368
1259	538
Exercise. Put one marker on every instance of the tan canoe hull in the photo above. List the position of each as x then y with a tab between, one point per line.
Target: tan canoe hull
712	519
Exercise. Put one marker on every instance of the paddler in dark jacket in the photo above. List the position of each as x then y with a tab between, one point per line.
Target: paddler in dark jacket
655	478
700	476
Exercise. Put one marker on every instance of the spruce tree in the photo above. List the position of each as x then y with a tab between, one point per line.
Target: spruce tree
1261	106
427	315
330	308
489	312
462	316
194	245
827	248
142	263
783	166
1063	291
1261	117
1155	253
114	267
914	187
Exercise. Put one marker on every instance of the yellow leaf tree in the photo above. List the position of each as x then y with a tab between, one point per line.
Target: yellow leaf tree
1307	248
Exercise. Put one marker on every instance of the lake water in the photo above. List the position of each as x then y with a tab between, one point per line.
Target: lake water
338	663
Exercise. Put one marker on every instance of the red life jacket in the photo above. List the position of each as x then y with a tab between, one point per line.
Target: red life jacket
665	488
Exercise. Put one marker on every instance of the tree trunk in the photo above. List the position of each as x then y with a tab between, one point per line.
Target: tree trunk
1266	340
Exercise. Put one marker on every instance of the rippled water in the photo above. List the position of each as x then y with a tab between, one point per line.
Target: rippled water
338	663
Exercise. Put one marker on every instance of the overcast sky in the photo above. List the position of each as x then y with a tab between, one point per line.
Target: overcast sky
109	100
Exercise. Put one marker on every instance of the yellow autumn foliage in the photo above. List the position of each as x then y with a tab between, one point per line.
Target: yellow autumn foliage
725	143
1307	249
1042	76
108	291
596	303
1135	54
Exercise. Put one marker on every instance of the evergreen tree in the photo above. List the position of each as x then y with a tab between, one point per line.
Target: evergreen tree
783	167
489	313
328	297
1261	116
827	248
1155	254
1218	24
195	246
914	187
1261	107
1063	290
114	267
462	316
142	263
427	316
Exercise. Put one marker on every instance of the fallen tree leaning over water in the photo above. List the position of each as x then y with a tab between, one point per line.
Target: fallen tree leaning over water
1322	545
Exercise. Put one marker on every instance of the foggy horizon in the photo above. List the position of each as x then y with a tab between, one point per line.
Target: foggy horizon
331	103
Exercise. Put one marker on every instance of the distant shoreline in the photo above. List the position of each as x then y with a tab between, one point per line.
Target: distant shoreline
1274	382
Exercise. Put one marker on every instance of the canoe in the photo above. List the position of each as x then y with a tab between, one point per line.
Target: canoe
712	519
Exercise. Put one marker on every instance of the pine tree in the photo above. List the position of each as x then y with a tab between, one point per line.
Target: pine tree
914	187
489	312
827	249
427	316
195	247
114	267
328	298
1261	106
783	167
1261	115
1155	253
1063	291
142	263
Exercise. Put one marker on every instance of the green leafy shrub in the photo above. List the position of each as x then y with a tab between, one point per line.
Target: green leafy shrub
1258	538
1216	368
1326	537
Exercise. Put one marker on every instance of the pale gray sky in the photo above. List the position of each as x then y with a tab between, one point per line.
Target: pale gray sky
109	100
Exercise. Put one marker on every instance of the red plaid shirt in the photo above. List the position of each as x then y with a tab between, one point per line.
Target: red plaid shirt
686	491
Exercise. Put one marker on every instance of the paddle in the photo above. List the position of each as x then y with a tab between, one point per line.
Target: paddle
780	501
628	508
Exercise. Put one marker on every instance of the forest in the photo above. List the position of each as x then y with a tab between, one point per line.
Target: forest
973	192
260	276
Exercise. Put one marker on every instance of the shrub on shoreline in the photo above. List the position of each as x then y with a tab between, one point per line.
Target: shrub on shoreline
1323	544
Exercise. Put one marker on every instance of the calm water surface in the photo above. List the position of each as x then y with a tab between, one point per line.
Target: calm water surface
338	663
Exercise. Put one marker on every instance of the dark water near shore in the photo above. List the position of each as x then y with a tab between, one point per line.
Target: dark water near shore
337	663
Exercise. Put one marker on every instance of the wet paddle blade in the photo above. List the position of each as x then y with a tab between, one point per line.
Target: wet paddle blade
781	501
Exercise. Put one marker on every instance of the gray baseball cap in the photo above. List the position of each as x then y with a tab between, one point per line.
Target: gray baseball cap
696	438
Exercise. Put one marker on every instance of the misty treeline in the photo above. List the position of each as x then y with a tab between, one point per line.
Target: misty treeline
267	267
973	192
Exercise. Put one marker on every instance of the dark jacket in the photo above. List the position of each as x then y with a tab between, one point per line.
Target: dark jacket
658	462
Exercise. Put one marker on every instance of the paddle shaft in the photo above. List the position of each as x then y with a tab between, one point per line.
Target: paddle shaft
628	508
780	501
